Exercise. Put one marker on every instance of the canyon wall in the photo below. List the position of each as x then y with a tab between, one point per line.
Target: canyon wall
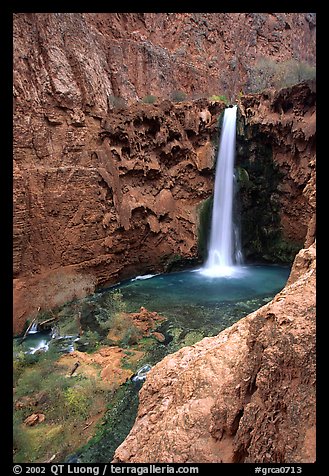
99	200
276	150
103	191
81	59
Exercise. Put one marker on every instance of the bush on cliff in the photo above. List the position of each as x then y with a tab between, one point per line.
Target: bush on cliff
222	98
267	73
149	99
178	96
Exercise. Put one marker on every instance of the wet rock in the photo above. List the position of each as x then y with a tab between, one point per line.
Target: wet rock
34	419
140	375
276	147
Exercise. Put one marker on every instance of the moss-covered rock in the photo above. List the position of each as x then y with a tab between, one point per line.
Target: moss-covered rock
191	338
176	262
204	225
258	178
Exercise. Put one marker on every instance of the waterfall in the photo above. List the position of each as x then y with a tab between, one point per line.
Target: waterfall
224	249
33	328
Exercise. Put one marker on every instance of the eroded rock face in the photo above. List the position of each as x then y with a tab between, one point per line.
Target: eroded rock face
106	199
281	124
79	60
246	395
102	194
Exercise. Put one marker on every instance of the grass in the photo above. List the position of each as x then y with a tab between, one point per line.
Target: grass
67	403
74	406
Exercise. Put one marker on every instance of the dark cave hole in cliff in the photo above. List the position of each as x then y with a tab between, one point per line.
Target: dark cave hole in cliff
172	158
190	133
126	151
153	126
174	135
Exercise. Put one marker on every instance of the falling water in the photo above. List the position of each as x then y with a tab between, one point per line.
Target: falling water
224	250
34	328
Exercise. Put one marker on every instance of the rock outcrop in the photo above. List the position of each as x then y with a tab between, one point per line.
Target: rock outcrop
277	150
246	395
83	60
105	199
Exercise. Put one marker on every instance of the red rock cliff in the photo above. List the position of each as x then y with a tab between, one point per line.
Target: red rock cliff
98	200
99	193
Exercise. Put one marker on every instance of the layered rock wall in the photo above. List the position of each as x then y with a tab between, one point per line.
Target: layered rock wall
80	59
277	153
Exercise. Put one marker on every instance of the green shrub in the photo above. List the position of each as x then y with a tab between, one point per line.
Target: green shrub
222	98
268	73
123	330
77	402
90	339
22	444
204	219
149	99
112	304
30	382
178	96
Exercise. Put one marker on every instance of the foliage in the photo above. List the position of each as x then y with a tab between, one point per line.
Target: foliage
204	213
221	98
170	262
89	341
115	426
149	99
44	387
242	175
123	330
268	73
76	401
178	96
112	303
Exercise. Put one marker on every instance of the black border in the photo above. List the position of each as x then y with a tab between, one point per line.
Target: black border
6	190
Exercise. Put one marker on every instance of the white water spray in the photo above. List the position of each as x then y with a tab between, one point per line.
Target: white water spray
223	251
34	328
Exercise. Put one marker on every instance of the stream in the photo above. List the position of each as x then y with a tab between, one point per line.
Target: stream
194	305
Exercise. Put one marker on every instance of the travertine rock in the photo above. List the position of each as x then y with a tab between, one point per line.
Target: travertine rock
104	201
286	119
